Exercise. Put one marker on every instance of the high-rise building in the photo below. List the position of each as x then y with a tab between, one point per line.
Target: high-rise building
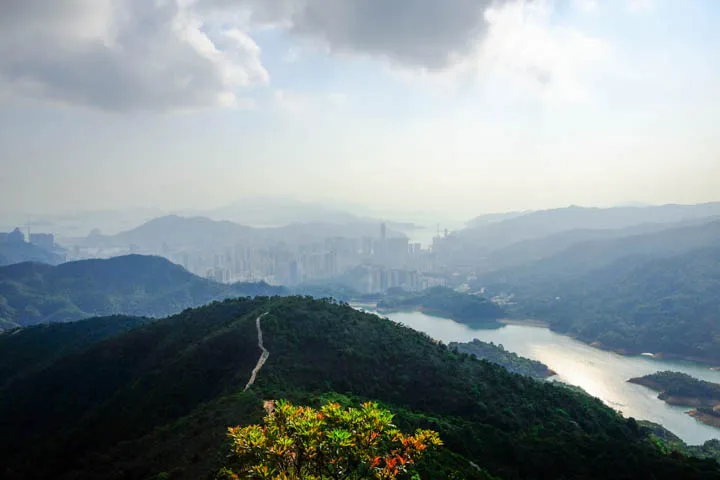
331	264
383	231
43	240
367	246
396	252
293	272
16	236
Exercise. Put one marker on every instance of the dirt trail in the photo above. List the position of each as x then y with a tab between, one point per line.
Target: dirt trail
263	356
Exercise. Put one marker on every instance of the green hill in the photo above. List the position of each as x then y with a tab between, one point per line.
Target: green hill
32	293
661	305
159	398
511	361
461	307
11	253
30	349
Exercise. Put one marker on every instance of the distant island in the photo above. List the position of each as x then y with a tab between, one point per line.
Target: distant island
681	389
511	361
445	302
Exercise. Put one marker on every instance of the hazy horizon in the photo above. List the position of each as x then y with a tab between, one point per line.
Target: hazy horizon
358	210
472	108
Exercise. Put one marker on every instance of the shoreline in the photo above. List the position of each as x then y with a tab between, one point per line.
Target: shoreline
698	405
525	322
711	364
706	418
434	312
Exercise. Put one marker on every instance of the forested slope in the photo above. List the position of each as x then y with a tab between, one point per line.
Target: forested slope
159	397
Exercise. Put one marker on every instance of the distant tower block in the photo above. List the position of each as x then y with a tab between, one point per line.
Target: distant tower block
16	236
383	231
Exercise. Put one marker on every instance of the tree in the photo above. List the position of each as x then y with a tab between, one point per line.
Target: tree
298	442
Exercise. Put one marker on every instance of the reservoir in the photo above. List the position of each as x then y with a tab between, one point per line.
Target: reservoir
600	373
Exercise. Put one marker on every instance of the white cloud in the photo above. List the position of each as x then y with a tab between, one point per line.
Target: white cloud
123	55
525	52
163	55
298	102
522	40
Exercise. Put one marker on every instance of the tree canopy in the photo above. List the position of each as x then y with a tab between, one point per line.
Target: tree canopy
333	442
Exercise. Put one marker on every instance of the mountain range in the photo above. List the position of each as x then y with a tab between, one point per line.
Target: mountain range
263	211
204	233
584	256
547	222
491	242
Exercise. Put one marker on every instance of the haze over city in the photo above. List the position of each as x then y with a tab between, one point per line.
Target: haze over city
359	239
459	108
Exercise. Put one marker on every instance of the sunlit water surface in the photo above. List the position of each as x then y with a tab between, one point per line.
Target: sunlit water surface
600	373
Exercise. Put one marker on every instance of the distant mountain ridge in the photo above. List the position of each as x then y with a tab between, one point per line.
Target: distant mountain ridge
27	252
536	249
479	240
203	232
273	211
584	256
190	230
33	293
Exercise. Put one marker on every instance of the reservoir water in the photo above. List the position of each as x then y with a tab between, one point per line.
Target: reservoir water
600	373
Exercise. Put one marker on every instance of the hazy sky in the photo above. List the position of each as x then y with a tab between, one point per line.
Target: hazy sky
469	106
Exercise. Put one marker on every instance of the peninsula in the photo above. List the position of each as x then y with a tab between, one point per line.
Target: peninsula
445	302
681	389
511	361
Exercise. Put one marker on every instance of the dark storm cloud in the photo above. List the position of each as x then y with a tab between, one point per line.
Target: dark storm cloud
429	34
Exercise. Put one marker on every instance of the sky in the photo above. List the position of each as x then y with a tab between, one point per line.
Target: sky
460	107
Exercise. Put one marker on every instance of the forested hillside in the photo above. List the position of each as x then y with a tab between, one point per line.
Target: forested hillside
32	293
30	349
158	399
660	305
511	361
461	307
